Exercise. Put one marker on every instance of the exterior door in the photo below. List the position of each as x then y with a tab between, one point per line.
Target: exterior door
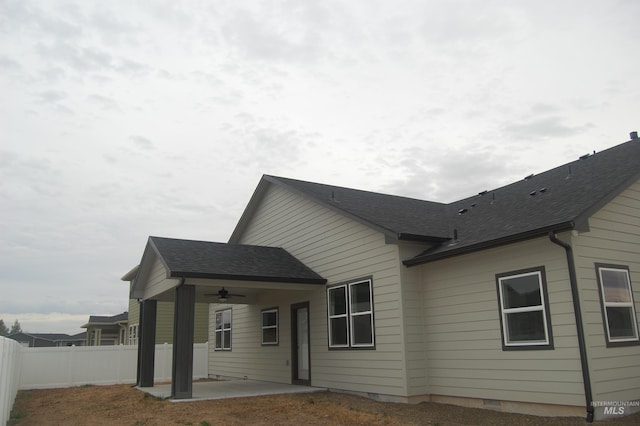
300	353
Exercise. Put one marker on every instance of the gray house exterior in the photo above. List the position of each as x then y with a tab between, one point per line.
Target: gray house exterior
524	298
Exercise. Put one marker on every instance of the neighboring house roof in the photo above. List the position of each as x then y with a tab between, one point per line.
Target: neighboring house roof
560	199
96	320
51	337
203	259
79	336
54	337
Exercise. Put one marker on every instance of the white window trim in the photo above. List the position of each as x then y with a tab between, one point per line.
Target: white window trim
629	304
352	315
345	315
504	312
349	315
133	334
222	330
267	327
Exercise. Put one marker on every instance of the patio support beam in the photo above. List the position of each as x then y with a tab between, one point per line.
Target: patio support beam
183	330
147	343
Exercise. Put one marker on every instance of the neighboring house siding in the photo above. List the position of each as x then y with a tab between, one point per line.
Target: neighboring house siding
613	238
340	250
464	348
164	322
134	316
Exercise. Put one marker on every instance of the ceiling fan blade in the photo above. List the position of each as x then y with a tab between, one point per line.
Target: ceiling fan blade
223	294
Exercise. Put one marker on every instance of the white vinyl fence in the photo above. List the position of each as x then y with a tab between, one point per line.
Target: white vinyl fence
44	368
10	352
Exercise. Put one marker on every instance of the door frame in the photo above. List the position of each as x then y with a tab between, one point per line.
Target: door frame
294	344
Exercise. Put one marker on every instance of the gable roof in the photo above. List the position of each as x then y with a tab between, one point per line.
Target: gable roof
106	320
397	217
559	199
129	276
204	259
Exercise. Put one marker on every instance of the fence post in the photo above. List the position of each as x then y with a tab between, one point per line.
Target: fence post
69	366
10	353
119	365
167	364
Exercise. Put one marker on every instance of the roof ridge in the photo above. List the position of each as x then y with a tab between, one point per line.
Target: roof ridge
531	176
384	194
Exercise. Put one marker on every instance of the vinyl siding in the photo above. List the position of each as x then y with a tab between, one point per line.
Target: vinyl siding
157	282
248	357
614	238
164	321
340	250
164	316
134	316
414	320
464	353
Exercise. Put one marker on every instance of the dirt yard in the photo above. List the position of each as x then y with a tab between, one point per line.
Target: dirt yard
124	405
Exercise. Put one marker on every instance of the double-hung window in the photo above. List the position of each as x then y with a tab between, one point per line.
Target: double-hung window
524	310
133	334
223	330
350	315
270	326
616	296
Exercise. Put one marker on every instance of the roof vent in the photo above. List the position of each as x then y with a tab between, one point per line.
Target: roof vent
529	177
584	157
543	189
462	211
532	193
483	192
633	135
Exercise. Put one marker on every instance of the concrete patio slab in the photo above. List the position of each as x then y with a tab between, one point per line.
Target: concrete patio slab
219	389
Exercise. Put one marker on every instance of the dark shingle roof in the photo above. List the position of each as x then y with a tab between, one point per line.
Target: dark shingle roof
54	337
559	199
556	200
51	337
203	259
101	319
404	218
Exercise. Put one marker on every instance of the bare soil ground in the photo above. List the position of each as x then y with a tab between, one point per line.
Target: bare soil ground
124	405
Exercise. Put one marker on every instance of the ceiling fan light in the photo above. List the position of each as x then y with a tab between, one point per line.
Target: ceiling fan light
222	294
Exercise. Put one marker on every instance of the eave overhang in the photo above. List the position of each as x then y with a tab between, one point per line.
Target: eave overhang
234	277
483	245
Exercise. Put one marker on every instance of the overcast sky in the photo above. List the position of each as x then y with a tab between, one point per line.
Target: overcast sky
123	119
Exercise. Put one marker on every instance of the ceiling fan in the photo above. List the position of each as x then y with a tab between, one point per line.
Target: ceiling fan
224	295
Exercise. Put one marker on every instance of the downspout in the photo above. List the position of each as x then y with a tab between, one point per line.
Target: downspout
579	325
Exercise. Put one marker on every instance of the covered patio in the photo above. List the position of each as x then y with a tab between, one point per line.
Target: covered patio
186	272
237	388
